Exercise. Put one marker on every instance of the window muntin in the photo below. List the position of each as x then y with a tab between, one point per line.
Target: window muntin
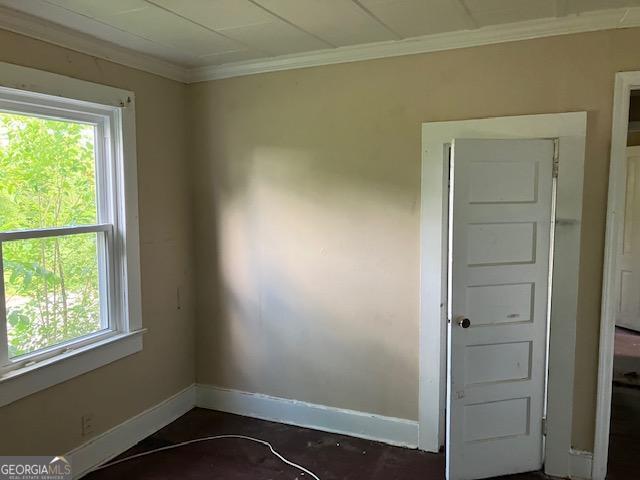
58	198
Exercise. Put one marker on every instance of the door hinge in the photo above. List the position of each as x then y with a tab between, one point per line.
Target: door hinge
556	157
544	425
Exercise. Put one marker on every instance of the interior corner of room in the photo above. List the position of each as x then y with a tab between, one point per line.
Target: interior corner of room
281	239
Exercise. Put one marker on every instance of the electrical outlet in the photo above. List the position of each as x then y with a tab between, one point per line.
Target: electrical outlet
87	424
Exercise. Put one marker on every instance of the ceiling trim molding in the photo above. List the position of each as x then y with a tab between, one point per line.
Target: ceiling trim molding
42	29
50	32
547	27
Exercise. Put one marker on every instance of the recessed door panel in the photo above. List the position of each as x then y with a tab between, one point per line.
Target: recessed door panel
500	362
628	260
501	243
506	303
627	298
494	420
521	187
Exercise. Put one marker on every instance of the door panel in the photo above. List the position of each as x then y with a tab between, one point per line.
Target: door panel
499	273
500	243
493	304
498	362
520	188
495	420
628	261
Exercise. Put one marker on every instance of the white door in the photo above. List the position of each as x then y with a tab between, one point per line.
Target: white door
628	261
499	281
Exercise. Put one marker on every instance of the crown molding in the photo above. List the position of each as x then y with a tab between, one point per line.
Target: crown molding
547	27
42	29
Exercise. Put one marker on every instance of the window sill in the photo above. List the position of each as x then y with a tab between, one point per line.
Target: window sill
22	382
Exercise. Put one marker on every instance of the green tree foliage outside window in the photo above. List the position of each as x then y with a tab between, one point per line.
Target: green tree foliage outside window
47	179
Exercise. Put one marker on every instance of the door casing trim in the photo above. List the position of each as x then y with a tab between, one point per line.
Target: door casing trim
570	129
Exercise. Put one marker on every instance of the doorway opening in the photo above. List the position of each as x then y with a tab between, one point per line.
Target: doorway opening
618	410
570	130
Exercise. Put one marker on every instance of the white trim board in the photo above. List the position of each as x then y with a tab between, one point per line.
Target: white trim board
42	29
624	83
59	368
120	438
570	129
580	464
510	32
390	430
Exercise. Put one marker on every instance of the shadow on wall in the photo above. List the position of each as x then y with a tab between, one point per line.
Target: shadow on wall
300	287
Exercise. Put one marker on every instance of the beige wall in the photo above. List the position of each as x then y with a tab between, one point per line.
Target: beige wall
48	422
307	212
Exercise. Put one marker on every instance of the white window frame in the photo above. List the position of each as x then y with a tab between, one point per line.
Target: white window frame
112	111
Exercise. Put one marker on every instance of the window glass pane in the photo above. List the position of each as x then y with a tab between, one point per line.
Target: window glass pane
52	290
47	173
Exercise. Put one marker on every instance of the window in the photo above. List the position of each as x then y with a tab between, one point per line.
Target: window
68	233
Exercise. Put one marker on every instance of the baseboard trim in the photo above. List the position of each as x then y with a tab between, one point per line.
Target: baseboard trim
390	430
102	448
120	438
580	464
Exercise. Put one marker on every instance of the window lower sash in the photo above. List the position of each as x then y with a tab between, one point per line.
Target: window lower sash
109	326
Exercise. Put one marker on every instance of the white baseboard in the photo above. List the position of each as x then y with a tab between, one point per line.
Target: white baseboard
580	464
125	435
390	430
102	448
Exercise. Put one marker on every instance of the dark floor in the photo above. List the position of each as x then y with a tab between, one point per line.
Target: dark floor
624	444
627	343
626	360
329	456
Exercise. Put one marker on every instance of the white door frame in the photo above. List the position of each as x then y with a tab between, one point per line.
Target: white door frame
570	129
624	83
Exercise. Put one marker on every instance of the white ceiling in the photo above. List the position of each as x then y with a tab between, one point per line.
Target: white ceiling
202	33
